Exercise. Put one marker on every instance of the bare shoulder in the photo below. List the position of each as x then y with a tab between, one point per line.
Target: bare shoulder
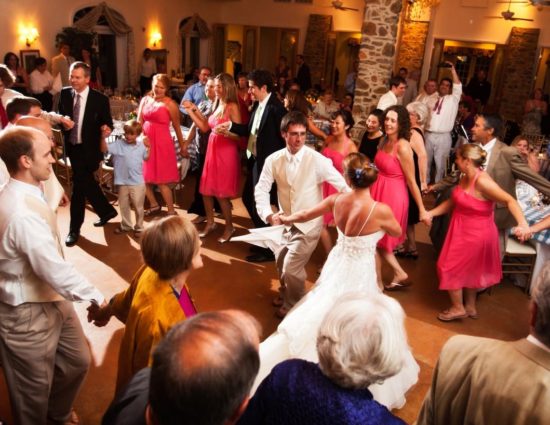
403	146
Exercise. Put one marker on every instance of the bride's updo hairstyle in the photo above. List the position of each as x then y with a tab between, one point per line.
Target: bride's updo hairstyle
474	153
360	172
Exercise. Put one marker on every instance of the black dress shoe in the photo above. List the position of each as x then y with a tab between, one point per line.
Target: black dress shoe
103	220
260	257
72	239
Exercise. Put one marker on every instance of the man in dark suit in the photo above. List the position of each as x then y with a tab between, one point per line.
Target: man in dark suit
264	138
91	114
303	76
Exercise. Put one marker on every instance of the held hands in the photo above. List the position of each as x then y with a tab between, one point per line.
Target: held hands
522	233
67	123
100	315
426	218
146	142
275	219
222	128
105	131
64	201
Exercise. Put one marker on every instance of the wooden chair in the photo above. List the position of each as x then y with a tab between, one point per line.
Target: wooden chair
62	166
519	259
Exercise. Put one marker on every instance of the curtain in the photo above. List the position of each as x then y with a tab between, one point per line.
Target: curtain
194	26
118	25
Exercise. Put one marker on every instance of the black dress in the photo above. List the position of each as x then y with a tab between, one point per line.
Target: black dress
369	147
414	213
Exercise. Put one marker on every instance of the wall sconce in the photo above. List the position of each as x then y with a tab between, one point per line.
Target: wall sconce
29	35
156	37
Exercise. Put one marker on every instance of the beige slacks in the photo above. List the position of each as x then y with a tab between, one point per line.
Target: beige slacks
128	197
291	261
45	359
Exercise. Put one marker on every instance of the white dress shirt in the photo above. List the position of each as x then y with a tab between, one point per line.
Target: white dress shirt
38	80
27	243
83	98
488	148
323	169
444	111
388	99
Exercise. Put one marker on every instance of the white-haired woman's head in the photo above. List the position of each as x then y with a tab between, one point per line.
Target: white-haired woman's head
362	340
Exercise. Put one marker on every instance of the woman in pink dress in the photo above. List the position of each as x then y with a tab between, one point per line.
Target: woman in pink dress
395	163
337	146
156	112
470	257
220	177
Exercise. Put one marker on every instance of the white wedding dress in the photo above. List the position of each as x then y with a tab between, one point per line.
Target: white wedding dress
350	266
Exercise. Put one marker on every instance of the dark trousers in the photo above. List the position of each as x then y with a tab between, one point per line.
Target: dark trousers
85	187
145	84
46	99
248	192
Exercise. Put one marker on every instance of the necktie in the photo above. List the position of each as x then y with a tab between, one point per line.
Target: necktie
251	147
76	114
438	105
291	169
3	115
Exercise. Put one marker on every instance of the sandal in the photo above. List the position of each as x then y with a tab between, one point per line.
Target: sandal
152	211
394	286
446	316
209	228
411	254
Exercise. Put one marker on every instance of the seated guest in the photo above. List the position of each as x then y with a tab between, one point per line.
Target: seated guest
207	382
326	105
487	381
528	156
41	82
157	298
7	79
361	342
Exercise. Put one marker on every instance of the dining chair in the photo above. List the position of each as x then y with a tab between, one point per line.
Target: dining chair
62	165
519	258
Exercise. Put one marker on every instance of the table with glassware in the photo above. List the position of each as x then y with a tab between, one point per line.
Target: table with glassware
535	208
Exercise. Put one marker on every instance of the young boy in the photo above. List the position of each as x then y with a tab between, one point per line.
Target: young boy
128	156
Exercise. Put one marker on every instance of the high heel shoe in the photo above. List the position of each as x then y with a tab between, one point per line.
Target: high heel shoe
207	230
224	240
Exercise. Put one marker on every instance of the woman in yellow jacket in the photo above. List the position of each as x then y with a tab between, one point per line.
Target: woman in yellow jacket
157	297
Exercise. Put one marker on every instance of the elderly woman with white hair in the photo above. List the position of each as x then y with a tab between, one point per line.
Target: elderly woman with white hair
360	344
419	115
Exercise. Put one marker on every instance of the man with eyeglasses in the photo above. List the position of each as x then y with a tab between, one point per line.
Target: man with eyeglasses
299	174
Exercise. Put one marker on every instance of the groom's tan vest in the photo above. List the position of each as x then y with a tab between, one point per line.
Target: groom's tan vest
304	193
34	288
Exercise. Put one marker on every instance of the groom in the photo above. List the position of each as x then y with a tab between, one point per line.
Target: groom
299	174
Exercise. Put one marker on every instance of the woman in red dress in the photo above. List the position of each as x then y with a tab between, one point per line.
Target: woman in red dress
220	177
394	161
470	258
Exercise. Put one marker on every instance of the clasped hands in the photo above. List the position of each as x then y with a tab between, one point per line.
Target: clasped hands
522	233
278	219
223	128
99	315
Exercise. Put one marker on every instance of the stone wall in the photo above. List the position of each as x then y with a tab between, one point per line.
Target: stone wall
518	72
376	55
412	45
315	47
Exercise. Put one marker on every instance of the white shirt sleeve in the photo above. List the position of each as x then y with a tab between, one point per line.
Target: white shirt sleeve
457	92
327	173
262	189
29	235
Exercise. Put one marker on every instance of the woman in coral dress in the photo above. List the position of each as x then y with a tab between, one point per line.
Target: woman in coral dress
220	177
394	161
470	258
337	146
156	112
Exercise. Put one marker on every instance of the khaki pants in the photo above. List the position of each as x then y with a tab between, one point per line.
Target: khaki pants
128	197
45	359
291	261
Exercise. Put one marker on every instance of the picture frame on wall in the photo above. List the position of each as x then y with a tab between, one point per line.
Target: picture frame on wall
27	59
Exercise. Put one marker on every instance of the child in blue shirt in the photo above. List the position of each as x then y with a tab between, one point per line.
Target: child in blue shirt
128	155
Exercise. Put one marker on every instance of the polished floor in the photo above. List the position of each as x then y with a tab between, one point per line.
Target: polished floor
227	281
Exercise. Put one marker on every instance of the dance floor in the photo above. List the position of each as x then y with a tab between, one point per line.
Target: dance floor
228	281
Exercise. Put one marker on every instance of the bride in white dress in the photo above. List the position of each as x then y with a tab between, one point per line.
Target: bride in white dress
350	266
